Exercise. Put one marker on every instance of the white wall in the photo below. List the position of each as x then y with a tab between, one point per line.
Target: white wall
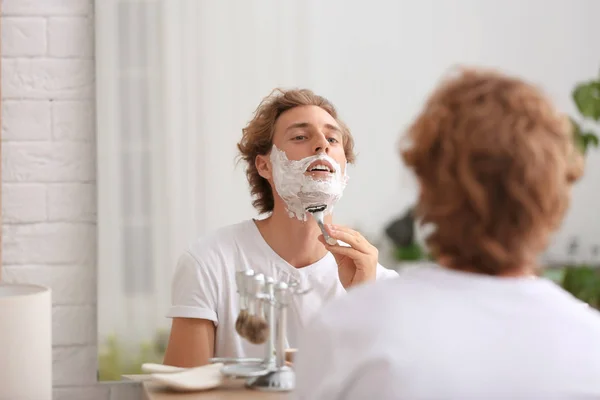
48	178
377	61
347	52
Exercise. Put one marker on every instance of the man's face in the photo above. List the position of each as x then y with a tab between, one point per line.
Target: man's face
305	131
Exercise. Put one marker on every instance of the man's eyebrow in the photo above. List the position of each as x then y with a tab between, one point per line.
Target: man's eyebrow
297	125
306	125
333	128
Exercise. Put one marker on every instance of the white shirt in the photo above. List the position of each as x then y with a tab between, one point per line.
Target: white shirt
434	333
204	284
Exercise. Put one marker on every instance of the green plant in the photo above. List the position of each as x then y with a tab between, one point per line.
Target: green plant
586	96
116	359
412	252
583	281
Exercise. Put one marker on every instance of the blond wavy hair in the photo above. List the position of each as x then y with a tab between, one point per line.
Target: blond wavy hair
495	161
257	137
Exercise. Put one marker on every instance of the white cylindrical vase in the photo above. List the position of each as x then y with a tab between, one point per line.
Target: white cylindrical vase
25	342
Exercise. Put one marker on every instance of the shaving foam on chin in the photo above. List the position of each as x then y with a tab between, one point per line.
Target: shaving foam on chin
300	190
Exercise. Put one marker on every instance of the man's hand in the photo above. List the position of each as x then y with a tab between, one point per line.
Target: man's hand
357	263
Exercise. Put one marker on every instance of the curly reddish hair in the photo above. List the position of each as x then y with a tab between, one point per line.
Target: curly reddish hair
257	137
495	162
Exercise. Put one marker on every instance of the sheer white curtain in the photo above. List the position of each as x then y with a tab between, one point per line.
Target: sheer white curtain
150	158
176	83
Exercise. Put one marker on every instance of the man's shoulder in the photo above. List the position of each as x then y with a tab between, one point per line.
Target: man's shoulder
225	240
369	300
574	312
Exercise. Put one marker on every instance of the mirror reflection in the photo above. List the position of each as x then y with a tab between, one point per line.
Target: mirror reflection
228	131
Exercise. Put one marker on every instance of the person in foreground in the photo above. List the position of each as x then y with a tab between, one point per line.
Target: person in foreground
495	163
296	149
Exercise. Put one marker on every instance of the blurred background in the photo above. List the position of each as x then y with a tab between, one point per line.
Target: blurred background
178	79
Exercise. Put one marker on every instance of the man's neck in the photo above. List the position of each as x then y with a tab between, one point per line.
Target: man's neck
293	240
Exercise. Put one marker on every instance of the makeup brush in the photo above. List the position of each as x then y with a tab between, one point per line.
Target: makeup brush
246	302
240	322
240	279
318	214
256	328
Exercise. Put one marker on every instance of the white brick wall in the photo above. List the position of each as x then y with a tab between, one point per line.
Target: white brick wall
27	37
48	178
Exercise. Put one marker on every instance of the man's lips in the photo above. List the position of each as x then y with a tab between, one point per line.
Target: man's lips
321	166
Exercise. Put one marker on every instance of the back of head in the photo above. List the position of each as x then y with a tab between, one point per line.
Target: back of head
495	162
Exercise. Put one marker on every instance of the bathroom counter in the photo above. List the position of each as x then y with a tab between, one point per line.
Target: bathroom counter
231	391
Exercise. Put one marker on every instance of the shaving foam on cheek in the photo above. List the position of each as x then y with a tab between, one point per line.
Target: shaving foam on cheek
299	190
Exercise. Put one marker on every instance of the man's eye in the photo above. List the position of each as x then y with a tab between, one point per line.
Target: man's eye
299	137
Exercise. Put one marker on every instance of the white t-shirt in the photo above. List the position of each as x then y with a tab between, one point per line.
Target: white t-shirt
204	284
434	333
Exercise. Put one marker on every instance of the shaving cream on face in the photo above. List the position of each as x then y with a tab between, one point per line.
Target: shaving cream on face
299	189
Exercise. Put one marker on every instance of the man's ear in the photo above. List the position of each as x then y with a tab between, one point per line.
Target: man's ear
263	165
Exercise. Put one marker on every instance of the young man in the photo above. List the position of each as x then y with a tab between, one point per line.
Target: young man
495	162
296	149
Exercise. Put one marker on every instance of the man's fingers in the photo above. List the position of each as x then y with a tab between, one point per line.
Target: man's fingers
349	252
354	240
342	228
338	257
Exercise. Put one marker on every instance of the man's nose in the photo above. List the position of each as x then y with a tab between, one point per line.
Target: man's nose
322	144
